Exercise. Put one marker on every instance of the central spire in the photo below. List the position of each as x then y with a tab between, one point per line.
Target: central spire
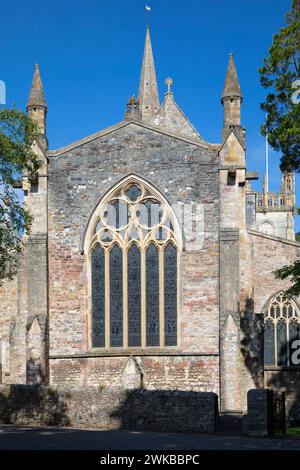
148	92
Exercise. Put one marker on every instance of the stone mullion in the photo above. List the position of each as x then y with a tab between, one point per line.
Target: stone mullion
275	342
125	299
143	298
107	301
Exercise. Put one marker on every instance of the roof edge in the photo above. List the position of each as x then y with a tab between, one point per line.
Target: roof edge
120	125
257	233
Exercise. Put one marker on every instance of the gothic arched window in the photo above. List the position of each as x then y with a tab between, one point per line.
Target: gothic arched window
134	267
281	331
267	227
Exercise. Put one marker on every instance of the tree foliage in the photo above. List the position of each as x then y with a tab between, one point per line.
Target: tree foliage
281	76
292	273
17	134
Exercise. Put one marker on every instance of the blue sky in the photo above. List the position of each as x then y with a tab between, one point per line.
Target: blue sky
90	55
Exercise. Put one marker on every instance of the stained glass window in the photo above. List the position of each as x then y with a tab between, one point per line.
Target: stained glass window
282	329
133	192
134	296
135	241
152	296
116	296
98	297
170	294
281	343
269	343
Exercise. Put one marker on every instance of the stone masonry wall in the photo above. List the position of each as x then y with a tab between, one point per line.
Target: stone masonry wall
96	407
78	179
159	372
270	254
8	313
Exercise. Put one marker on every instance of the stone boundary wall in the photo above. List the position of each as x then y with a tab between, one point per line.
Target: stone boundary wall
257	422
93	407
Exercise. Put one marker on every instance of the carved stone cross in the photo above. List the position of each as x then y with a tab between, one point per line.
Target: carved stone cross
169	82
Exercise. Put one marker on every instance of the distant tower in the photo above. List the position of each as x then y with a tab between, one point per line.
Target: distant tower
275	211
37	106
288	183
148	91
232	98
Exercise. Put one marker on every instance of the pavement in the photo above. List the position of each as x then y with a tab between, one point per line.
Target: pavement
51	438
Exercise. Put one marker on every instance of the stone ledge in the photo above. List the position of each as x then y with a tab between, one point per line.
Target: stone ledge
229	234
272	237
94	354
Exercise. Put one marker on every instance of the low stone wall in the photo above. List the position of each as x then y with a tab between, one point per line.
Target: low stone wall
257	422
141	410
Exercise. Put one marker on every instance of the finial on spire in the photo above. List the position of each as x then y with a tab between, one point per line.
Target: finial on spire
231	87
36	95
169	82
37	106
133	111
232	99
148	90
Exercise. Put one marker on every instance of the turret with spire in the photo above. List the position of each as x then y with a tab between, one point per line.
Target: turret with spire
148	91
37	106
232	98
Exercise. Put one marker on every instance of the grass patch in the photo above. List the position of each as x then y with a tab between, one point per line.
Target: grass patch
293	431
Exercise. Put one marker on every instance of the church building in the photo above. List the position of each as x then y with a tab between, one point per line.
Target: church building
151	259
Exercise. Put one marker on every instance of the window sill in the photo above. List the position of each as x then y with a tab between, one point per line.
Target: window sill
130	352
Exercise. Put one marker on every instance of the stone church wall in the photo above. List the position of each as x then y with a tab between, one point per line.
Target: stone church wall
78	179
8	314
269	254
158	372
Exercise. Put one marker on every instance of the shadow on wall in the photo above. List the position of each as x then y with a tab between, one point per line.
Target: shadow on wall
167	411
288	381
252	346
32	405
34	373
140	410
252	343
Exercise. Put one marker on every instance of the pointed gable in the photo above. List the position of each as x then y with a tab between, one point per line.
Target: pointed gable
171	118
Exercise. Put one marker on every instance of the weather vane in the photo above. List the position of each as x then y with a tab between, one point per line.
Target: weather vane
148	10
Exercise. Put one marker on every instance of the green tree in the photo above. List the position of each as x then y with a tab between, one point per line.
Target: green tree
281	76
17	134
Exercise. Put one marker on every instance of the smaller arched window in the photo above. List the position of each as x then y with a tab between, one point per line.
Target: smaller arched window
281	331
267	227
